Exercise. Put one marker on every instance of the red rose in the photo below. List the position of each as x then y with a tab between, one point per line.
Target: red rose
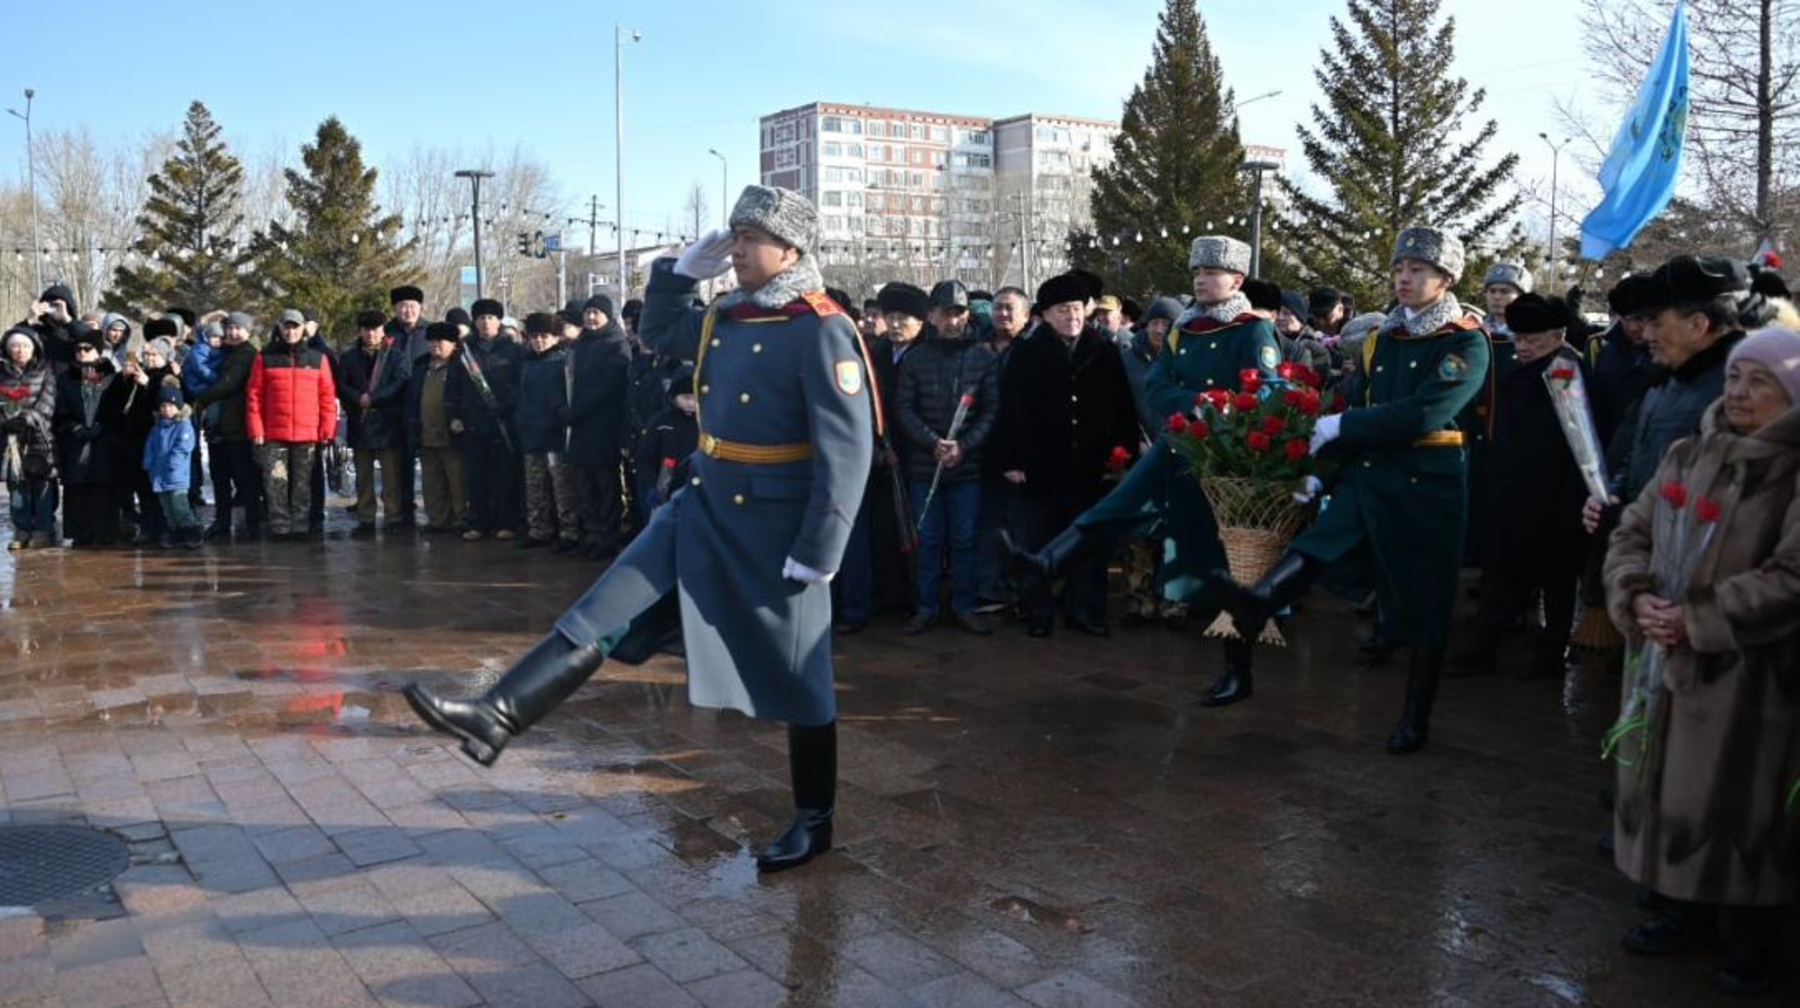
668	463
1218	399
1706	510
1295	448
1250	379
1286	370
1177	423
1307	376
1563	374
1293	397
1199	429
1273	424
1309	403
1675	494
1245	401
1116	461
1257	440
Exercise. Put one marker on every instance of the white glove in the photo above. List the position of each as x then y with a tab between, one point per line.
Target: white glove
1309	488
708	257
1325	432
794	570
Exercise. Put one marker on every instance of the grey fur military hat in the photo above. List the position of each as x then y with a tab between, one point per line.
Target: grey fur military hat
1219	252
1431	245
783	213
1508	273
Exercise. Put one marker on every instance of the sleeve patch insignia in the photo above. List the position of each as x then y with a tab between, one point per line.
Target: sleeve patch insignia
1270	358
1453	367
849	376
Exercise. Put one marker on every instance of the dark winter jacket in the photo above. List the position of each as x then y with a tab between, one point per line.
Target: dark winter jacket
498	361
887	379
648	389
167	452
86	439
412	343
27	415
1062	412
383	425
456	386
600	407
1621	372
130	408
291	396
56	340
665	446
1137	358
933	377
541	414
227	391
1535	488
1669	411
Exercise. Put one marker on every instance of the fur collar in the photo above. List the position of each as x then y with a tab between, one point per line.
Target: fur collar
1225	312
1423	323
782	288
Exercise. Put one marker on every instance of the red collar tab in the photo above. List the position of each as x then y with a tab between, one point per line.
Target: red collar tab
1205	324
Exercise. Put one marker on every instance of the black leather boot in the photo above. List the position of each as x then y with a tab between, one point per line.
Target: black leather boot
1236	682
812	764
1414	728
532	688
1252	606
1070	547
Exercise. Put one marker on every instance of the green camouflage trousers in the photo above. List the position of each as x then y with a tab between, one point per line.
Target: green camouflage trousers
550	498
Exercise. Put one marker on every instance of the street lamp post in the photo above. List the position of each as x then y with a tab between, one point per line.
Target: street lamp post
1256	169
475	175
619	38
724	188
1555	160
37	250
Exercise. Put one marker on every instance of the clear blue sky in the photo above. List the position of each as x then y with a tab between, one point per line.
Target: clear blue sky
539	74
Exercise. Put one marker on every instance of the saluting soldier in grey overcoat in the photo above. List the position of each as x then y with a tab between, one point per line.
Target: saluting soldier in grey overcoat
746	548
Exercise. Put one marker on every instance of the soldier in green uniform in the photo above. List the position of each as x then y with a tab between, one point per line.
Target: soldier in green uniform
1212	343
1396	515
745	550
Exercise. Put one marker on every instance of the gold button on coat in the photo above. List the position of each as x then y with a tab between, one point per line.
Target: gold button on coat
744	397
737	498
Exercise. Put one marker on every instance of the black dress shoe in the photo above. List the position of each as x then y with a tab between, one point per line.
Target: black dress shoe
808	836
1410	734
1038	630
973	624
920	622
1229	688
1093	628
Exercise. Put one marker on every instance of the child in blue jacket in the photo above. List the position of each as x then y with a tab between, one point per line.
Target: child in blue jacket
167	453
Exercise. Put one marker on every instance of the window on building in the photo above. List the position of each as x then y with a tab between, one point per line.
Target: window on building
832	173
937	159
853	175
784	157
916	180
979	138
854	150
784	133
831	198
918	204
853	198
831	124
918	131
940	134
831	149
877	128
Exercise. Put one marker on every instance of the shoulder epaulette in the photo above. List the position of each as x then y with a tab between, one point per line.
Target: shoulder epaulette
821	303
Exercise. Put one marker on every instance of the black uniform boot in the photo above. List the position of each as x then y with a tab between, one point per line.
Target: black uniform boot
812	763
537	682
1252	606
1236	682
1070	547
1414	727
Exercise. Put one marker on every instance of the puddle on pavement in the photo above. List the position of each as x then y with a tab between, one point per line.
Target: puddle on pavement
1033	912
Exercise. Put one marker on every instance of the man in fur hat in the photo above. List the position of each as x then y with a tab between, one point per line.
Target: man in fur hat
1397	512
743	552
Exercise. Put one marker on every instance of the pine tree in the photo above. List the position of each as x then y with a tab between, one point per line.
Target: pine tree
1389	144
190	254
1176	170
341	255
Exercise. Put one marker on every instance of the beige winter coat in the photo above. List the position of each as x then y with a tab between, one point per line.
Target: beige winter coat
1702	817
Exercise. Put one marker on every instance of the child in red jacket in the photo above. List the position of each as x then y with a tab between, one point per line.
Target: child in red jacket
290	408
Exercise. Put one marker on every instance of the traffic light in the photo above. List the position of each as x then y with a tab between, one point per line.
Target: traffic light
537	245
524	244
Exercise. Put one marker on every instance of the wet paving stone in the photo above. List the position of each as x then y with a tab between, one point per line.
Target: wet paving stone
1021	822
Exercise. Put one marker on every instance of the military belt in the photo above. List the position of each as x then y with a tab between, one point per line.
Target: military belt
754	454
1440	439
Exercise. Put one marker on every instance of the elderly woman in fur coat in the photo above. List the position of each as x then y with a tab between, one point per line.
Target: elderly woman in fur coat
1705	818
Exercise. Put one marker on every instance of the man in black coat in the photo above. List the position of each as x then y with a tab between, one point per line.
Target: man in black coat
236	478
490	450
1065	403
58	325
600	365
1535	542
371	384
406	332
947	366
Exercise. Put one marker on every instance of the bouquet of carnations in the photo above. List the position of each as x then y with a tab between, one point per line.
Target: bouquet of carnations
1250	450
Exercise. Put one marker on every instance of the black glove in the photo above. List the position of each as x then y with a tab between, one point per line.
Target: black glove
17	424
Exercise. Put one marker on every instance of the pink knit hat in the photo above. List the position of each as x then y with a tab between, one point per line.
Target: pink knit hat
1778	350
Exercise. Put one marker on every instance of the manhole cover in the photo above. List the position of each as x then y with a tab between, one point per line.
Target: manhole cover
39	863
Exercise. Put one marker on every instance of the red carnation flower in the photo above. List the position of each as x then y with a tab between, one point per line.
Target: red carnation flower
1250	379
1295	448
1245	401
1257	440
1675	494
1563	374
1274	424
1286	370
1199	428
1177	423
1218	399
1706	510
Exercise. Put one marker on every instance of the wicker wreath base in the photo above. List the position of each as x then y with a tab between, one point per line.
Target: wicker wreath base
1595	632
1257	519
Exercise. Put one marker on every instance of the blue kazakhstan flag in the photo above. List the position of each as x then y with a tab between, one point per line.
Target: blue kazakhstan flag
1639	174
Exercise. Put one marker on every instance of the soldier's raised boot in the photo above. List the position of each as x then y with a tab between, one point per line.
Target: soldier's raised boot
1070	547
554	668
1414	727
1252	606
1236	682
812	765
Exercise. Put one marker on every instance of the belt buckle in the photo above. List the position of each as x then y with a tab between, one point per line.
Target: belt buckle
709	445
